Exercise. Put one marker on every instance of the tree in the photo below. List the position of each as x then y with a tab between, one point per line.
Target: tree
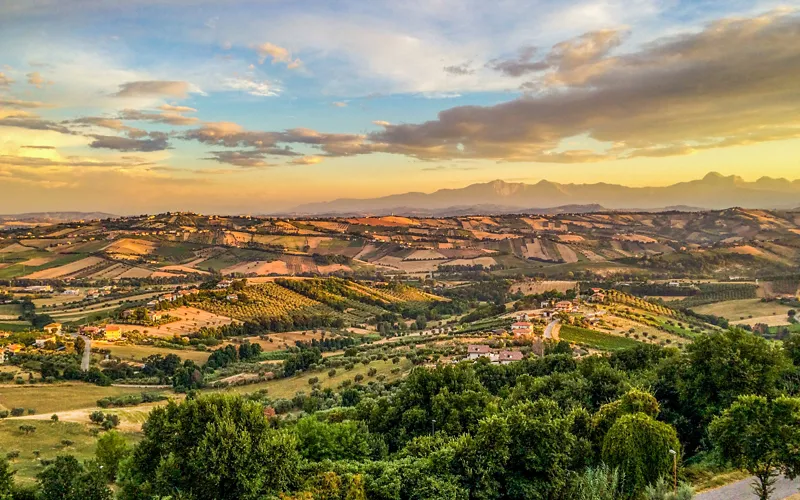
111	449
67	479
640	447
210	447
761	436
6	479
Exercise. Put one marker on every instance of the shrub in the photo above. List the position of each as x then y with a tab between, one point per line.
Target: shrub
332	372
54	418
97	417
17	412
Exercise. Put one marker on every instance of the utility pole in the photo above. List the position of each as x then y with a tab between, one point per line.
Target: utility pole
433	427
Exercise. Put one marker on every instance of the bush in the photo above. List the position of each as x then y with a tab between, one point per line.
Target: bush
17	412
663	490
4	414
54	418
332	372
97	417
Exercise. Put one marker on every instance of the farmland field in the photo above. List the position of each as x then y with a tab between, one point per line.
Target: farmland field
139	352
49	440
595	339
50	398
288	387
191	320
748	311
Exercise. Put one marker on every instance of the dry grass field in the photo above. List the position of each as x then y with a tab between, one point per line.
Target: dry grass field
191	320
66	269
748	311
535	287
50	398
139	352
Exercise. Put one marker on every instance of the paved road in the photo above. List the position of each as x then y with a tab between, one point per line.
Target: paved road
552	329
741	490
87	353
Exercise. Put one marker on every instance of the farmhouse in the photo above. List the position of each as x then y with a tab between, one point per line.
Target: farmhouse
113	332
565	306
42	341
478	351
521	325
53	328
39	288
597	297
506	357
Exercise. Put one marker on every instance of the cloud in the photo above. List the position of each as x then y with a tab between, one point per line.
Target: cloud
5	81
33	123
306	160
37	147
20	104
168	118
73	161
35	79
176	109
339	104
571	61
277	54
245	159
703	90
157	142
153	88
251	86
460	69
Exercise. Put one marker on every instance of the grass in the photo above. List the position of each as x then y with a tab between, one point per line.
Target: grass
735	310
9	309
288	387
597	340
51	398
139	352
48	440
15	326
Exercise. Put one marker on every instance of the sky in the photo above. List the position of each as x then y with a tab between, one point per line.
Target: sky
244	106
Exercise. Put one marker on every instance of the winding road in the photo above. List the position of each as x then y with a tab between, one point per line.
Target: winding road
552	329
741	490
87	353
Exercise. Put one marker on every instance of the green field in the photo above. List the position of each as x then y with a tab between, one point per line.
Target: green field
139	352
50	398
49	440
288	387
594	339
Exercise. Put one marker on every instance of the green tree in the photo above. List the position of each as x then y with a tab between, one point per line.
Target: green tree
111	450
6	479
761	436
640	447
67	479
210	447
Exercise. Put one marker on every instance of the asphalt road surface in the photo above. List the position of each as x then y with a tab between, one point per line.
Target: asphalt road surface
87	353
741	490
552	329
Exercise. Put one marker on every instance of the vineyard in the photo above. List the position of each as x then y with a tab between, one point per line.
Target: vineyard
266	300
615	296
716	292
334	297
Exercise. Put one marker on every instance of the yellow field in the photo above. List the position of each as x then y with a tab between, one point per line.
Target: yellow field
191	320
51	398
139	352
742	310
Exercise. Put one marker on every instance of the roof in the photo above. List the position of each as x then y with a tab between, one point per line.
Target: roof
479	349
53	325
521	323
113	327
511	356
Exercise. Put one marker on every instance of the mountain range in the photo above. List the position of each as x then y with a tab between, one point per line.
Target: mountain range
714	191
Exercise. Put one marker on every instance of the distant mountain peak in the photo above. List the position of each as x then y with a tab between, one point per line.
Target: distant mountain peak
713	191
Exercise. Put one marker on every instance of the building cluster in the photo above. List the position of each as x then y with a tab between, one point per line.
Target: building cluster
502	357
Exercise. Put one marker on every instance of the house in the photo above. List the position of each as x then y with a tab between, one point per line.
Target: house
565	306
90	331
53	328
39	288
478	351
523	317
40	342
224	284
14	348
597	297
506	357
232	297
113	332
520	325
154	316
73	292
